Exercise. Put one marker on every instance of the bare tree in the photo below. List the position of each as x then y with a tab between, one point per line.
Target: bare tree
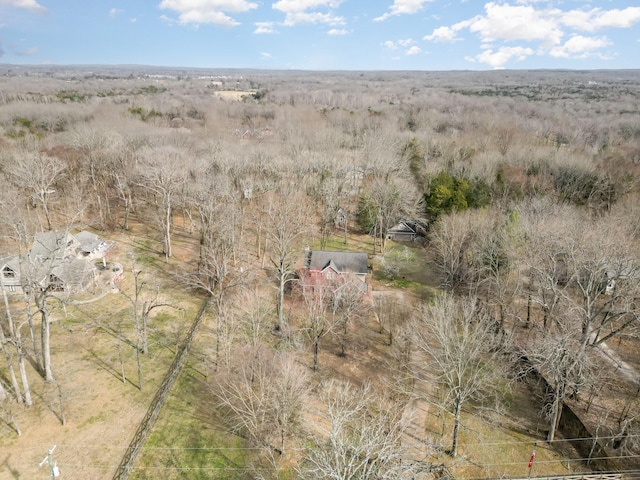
263	400
464	349
37	173
217	273
287	223
349	303
363	437
43	290
5	342
385	202
493	260
391	312
316	319
91	144
142	304
162	175
124	170
328	193
578	268
561	359
451	239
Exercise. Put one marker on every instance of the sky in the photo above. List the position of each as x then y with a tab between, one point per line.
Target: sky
324	34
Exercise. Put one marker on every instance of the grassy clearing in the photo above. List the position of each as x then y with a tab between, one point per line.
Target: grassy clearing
405	266
355	243
185	443
490	448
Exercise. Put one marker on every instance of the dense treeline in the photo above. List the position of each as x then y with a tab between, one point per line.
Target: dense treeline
522	185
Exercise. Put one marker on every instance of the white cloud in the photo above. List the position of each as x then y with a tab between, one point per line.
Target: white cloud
265	55
510	31
114	12
443	34
198	12
510	23
595	19
499	58
296	18
402	7
337	31
306	11
580	47
413	51
264	28
403	42
287	6
133	20
31	5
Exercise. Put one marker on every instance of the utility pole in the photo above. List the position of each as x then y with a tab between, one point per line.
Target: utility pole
53	467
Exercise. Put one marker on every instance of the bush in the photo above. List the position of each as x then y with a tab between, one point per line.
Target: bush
448	193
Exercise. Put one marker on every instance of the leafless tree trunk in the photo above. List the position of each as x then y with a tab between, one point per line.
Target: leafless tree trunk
460	340
163	175
37	173
264	401
287	222
363	438
561	359
142	305
451	239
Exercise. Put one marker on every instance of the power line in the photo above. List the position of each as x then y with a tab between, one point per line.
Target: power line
120	447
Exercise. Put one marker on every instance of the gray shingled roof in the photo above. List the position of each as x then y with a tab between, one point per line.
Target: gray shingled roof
402	227
73	272
90	242
12	263
52	244
342	262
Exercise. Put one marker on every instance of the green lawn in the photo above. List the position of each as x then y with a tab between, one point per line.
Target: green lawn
185	443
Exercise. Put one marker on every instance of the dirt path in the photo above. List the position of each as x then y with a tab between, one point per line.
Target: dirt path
620	365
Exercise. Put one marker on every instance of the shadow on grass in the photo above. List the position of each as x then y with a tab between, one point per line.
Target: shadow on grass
108	368
186	442
14	473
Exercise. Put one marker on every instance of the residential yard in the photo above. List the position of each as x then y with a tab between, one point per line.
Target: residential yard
93	350
97	392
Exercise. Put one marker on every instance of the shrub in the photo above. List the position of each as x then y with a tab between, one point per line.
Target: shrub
448	193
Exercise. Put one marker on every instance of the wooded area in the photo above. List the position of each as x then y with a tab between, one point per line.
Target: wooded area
499	215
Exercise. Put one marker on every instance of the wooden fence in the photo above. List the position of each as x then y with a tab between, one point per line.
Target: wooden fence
122	473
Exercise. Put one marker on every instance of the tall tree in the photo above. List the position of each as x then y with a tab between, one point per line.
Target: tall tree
451	239
37	173
287	222
566	365
464	350
381	206
328	193
92	144
143	300
575	266
162	174
362	437
264	400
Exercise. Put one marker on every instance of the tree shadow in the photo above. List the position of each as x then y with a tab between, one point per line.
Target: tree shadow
14	473
109	368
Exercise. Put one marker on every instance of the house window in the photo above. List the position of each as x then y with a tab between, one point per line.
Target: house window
8	273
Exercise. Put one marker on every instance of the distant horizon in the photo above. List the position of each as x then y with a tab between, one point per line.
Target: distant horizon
325	35
273	69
